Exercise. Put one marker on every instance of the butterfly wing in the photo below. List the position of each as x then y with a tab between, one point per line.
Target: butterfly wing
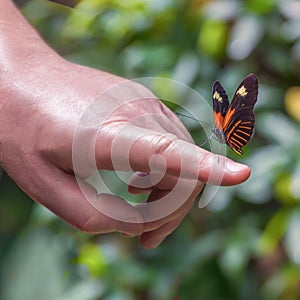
220	104
246	93
239	130
238	123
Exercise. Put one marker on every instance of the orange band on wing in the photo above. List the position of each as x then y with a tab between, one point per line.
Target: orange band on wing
228	116
219	120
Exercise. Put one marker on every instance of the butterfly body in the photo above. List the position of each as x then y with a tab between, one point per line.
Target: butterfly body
219	134
234	122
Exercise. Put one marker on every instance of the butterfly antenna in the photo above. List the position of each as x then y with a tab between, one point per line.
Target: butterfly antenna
183	115
192	118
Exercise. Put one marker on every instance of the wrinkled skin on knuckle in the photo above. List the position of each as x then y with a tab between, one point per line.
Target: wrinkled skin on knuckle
168	153
204	164
204	159
165	143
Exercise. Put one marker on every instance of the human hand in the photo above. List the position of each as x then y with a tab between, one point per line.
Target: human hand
39	123
48	155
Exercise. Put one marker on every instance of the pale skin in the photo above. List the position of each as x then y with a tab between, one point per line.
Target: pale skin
43	97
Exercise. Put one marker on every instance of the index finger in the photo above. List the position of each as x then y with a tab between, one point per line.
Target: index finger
132	148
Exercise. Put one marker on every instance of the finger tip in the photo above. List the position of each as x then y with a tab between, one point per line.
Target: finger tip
148	243
244	175
236	173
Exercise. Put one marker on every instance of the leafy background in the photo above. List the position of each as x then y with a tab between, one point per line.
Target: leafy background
245	244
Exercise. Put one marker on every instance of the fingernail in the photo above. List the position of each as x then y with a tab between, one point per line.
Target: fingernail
234	167
141	174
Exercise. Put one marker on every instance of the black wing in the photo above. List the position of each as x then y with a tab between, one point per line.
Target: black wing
239	130
239	120
246	93
220	99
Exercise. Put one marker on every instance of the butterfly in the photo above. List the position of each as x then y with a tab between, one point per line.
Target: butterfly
234	122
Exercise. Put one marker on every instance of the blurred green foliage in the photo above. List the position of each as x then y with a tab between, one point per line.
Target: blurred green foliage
245	245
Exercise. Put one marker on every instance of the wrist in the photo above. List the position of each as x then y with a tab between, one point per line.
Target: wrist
24	57
22	49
